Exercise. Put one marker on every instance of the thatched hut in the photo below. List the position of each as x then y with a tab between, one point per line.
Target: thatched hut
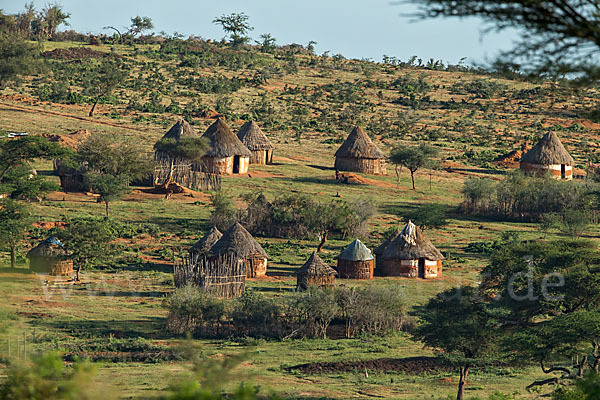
257	142
379	250
202	246
315	272
181	129
548	154
226	155
359	154
355	262
237	241
50	258
412	255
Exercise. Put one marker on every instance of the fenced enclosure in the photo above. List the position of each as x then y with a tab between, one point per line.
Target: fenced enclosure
14	348
223	276
184	175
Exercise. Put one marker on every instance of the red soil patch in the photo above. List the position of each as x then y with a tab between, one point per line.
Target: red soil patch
71	140
20	98
510	160
157	193
49	225
410	365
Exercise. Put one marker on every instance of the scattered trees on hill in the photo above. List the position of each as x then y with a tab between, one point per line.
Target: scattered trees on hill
413	158
236	26
17	58
102	80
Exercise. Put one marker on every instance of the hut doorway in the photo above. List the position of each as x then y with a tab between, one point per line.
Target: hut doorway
562	171
236	164
421	270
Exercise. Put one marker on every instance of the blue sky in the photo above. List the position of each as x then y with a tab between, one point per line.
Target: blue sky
354	28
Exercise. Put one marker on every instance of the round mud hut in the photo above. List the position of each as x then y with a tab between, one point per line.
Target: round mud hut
548	154
379	250
239	243
412	255
257	142
358	153
226	155
50	258
181	129
202	246
355	262
315	272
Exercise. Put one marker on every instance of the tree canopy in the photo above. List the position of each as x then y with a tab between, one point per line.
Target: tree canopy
413	158
236	26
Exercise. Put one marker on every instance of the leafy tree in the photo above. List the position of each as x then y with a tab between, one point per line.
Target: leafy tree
413	158
428	215
557	36
13	222
236	26
51	17
108	187
587	388
457	323
103	80
88	241
187	148
17	58
139	25
325	218
21	183
267	44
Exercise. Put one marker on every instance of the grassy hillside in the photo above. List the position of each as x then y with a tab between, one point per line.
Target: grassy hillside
306	104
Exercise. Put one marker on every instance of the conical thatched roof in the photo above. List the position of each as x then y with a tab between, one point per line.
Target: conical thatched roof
181	129
379	250
253	137
223	143
359	145
412	244
49	248
356	251
315	266
203	245
239	242
549	150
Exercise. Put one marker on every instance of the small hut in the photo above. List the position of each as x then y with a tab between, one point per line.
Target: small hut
221	276
237	241
257	142
202	246
548	154
355	262
226	155
315	272
379	250
359	154
181	129
412	255
50	258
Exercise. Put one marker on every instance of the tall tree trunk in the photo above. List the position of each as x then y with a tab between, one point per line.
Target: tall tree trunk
397	168
13	255
464	372
412	177
323	240
77	271
91	114
106	204
170	177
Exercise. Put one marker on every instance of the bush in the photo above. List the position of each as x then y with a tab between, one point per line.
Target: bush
313	310
193	311
255	315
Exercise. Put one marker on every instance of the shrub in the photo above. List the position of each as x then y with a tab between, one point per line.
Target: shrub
193	311
255	315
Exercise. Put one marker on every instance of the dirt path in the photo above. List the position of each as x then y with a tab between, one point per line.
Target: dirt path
14	107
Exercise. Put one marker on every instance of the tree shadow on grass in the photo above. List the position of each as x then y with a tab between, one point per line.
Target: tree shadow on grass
148	328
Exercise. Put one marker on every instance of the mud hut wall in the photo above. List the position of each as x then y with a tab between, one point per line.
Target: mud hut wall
261	157
433	269
224	165
404	268
555	169
54	267
371	166
304	280
256	267
355	269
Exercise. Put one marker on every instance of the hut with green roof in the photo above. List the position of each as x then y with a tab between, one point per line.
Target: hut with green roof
355	262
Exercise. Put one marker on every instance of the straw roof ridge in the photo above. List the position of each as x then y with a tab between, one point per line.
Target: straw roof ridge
356	251
239	242
359	145
223	143
207	241
253	137
379	250
50	247
549	150
181	129
315	266
412	244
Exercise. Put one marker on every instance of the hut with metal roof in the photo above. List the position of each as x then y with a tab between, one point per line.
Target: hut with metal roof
548	154
412	255
358	153
50	258
257	142
239	243
379	250
226	155
355	262
315	272
202	246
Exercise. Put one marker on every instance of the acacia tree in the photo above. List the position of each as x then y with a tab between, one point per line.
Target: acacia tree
236	26
557	36
413	158
103	80
457	323
139	25
13	222
17	58
325	218
188	148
